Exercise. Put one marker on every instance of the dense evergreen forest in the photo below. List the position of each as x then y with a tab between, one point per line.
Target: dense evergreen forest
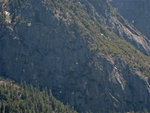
25	98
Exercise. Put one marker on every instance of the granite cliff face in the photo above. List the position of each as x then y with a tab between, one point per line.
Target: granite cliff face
120	26
83	50
136	12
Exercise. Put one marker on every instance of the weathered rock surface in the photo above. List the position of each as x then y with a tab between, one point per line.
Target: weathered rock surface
120	26
136	12
39	48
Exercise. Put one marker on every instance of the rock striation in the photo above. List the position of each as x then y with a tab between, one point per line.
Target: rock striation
136	12
83	50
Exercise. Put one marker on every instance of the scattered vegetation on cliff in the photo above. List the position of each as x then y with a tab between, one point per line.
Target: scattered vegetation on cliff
75	15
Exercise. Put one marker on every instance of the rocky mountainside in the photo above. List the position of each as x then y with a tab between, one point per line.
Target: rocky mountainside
89	55
121	27
137	12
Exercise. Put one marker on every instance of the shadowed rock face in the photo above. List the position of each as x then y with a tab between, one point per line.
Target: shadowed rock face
136	12
120	26
38	47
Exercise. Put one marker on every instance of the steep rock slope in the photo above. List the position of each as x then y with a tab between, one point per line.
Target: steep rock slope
137	12
121	27
69	46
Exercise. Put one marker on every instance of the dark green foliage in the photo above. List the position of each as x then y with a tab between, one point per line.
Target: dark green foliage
27	99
